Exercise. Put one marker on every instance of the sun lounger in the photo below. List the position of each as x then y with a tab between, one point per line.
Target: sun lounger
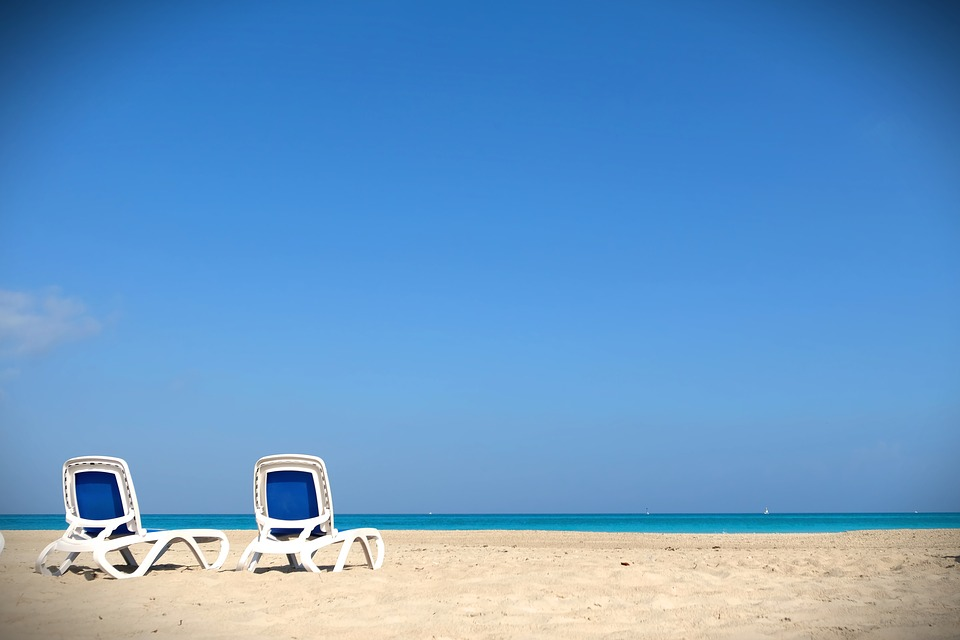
294	510
103	517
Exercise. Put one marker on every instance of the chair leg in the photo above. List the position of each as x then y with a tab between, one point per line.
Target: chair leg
100	557
306	559
345	551
67	563
128	557
364	540
192	545
242	564
158	549
222	556
44	570
378	562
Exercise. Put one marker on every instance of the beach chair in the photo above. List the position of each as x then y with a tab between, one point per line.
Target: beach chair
294	510
103	517
1	543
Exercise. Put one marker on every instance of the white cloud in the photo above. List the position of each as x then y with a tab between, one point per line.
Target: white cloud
32	323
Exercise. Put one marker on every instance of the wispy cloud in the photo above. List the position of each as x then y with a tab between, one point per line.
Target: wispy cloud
35	322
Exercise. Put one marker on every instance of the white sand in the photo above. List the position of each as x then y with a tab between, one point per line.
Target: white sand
889	584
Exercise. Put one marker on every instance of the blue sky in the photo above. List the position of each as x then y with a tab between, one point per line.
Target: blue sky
487	257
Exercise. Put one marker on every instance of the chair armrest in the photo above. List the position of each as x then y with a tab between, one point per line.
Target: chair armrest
108	526
266	524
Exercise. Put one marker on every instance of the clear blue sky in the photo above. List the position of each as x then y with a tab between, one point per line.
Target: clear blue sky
484	257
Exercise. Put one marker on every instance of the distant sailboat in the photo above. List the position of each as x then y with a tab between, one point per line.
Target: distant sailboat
766	511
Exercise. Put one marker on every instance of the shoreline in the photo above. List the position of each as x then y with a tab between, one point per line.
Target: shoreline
497	584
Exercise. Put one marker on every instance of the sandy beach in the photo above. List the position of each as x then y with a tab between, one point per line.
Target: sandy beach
506	584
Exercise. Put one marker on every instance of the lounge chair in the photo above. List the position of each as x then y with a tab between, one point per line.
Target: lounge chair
1	543
103	517
294	510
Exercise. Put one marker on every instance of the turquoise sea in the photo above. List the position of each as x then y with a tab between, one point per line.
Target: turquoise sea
642	523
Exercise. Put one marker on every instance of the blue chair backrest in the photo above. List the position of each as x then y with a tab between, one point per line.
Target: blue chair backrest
98	498
292	495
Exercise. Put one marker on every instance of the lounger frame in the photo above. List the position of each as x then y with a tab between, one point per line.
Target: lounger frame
308	535
101	537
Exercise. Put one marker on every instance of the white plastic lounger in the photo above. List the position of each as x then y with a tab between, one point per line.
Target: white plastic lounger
1	543
103	517
294	510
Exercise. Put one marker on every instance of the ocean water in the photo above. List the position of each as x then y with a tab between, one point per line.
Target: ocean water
641	523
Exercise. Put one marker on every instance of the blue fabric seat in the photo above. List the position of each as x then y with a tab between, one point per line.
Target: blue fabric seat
98	498
292	495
